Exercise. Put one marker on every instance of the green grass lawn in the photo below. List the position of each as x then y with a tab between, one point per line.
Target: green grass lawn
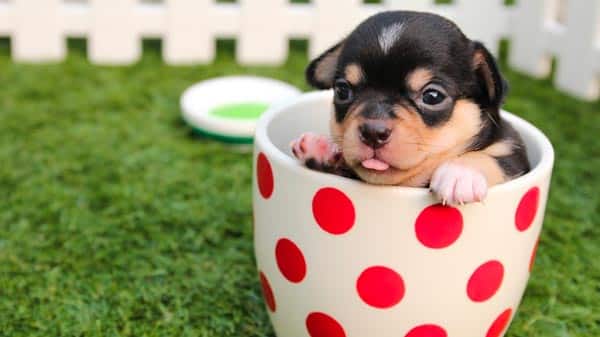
116	221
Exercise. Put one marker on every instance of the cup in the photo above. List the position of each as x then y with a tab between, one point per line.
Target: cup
338	257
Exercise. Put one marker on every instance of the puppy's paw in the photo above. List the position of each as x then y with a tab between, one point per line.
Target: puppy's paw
455	183
315	150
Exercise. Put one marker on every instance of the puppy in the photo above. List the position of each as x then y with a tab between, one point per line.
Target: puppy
416	103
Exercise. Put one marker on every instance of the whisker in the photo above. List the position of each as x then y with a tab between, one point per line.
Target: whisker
492	118
423	144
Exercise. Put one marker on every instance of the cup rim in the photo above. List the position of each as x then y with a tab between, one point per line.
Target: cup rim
264	143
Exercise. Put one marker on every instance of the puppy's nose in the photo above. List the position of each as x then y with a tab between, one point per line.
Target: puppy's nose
375	133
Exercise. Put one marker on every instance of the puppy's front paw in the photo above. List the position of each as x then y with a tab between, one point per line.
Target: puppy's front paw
315	150
455	183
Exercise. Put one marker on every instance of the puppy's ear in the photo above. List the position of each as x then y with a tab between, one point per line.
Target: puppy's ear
489	78
321	71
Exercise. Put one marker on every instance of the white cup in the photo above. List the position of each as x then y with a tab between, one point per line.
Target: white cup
338	257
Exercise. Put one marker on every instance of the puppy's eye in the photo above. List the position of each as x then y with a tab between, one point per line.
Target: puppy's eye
433	97
343	92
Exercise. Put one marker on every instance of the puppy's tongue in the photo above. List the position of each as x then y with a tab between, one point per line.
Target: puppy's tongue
375	164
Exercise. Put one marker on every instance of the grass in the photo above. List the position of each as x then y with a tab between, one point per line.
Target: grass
116	221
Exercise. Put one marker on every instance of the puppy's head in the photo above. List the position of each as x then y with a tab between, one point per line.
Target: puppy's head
410	89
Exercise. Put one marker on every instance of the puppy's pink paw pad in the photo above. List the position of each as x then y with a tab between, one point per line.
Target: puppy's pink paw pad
316	147
457	184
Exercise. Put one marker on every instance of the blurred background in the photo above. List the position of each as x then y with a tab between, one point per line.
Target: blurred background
116	219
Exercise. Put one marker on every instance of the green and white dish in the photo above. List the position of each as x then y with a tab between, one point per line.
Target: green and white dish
227	108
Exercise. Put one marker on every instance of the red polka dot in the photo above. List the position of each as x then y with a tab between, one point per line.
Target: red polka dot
380	287
319	324
427	330
290	261
264	176
333	211
485	281
500	324
267	292
527	209
439	226
533	254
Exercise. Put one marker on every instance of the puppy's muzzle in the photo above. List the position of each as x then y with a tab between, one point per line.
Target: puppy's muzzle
375	133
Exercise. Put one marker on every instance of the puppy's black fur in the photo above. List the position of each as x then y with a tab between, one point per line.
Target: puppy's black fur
462	70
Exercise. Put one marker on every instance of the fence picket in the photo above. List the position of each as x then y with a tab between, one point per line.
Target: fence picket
114	38
188	38
37	34
575	53
262	21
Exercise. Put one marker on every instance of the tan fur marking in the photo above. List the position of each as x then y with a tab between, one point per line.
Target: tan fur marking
480	64
338	130
418	78
499	149
354	74
325	71
478	60
458	132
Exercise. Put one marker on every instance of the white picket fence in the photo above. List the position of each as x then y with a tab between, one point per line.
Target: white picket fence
568	30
